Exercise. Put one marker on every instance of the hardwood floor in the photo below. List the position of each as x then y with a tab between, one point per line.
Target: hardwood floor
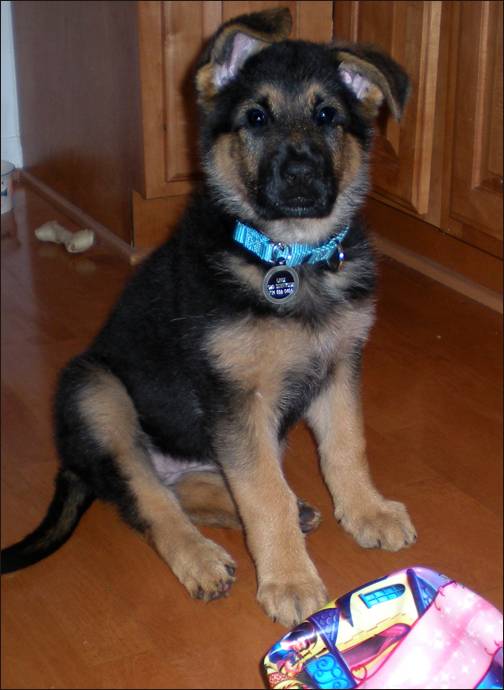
104	611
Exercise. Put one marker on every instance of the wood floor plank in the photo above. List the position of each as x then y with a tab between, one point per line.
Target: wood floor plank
105	611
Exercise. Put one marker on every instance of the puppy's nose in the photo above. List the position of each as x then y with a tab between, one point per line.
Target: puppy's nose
298	171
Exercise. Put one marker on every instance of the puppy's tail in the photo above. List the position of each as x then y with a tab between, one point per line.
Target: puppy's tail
72	498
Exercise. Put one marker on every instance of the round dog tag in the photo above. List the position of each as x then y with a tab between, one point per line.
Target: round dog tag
280	284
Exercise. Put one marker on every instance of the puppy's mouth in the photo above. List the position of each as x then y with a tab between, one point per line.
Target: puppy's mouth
298	205
273	204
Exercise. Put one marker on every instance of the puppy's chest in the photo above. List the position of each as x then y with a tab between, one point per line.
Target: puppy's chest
268	355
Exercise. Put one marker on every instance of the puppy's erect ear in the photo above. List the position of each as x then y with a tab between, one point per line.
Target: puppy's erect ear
234	42
373	76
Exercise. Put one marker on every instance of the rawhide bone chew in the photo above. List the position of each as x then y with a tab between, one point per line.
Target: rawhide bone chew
74	242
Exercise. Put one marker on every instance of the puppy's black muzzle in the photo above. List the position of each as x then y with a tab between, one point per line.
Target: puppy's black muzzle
297	181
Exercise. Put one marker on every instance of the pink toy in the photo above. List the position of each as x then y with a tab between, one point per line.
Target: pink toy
413	629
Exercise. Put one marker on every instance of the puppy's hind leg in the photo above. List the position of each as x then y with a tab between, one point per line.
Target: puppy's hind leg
206	499
203	567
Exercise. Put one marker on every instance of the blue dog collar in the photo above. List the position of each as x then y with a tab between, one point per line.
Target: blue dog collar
288	254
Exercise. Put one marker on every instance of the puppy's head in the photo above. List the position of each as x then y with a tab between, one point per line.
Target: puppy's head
287	125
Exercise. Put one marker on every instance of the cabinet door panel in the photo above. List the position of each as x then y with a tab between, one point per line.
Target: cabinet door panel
171	36
410	33
476	174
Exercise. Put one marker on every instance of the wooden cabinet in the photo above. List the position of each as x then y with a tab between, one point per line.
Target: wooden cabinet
403	155
437	177
108	115
474	198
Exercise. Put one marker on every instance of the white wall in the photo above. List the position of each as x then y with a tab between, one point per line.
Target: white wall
11	141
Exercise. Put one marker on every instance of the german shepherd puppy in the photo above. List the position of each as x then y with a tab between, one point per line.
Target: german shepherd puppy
252	316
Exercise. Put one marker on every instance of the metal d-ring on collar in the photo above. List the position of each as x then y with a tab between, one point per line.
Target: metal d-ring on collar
278	253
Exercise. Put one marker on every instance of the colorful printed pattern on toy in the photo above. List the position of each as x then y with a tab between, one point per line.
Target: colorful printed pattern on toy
413	629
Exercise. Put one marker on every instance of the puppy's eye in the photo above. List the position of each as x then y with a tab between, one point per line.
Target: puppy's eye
256	117
326	116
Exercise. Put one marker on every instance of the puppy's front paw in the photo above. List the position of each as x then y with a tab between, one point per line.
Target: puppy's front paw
292	601
205	569
385	525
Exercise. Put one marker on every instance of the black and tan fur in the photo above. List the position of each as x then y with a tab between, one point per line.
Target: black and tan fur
177	411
